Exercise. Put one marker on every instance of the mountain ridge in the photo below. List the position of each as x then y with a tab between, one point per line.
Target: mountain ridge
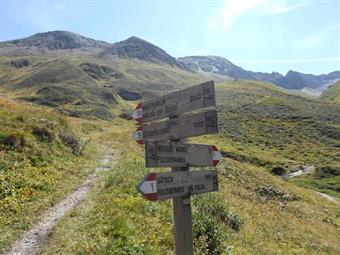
52	41
292	80
134	47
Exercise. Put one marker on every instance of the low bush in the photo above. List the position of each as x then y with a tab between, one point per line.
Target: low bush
210	236
75	144
327	171
278	170
43	134
13	140
275	193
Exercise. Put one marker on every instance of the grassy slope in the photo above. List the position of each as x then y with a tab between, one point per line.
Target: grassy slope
332	94
266	126
69	88
42	158
277	216
254	213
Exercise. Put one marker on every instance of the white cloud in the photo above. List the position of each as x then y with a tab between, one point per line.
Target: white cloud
231	11
234	9
277	7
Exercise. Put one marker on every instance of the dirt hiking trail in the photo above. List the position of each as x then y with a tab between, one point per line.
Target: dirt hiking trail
33	241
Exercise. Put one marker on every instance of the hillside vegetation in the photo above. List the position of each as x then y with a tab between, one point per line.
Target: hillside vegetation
266	134
43	156
253	213
87	86
267	126
332	94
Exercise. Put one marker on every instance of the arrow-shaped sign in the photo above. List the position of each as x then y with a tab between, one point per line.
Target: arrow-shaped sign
148	187
177	154
162	186
187	100
184	126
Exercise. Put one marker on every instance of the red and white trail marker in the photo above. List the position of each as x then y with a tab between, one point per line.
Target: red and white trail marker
148	187
216	155
138	113
138	135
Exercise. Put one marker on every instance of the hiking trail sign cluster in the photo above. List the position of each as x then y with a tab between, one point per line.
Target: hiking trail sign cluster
165	147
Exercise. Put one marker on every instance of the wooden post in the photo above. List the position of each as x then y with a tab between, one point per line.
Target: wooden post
182	217
172	105
182	222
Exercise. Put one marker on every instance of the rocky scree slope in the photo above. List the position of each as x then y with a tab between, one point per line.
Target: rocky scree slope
215	65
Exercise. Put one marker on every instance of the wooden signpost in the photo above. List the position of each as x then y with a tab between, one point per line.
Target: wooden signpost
165	147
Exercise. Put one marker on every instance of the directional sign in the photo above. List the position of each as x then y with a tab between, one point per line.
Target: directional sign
187	100
184	126
176	154
161	186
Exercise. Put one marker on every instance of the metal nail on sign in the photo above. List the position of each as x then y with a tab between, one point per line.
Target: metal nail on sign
187	100
162	186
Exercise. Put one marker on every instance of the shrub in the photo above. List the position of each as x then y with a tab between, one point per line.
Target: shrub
14	140
278	170
327	172
76	146
270	192
43	134
210	236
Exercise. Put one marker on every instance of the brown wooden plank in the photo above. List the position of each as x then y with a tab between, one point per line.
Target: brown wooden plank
184	126
170	153
182	221
187	100
183	226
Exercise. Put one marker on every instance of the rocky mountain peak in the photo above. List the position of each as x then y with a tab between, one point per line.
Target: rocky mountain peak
213	65
135	39
135	47
56	40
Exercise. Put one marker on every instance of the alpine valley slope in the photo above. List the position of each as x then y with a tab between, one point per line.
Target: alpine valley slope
262	128
332	94
254	212
43	156
270	127
84	77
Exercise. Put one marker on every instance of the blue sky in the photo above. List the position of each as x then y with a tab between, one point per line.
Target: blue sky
259	35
